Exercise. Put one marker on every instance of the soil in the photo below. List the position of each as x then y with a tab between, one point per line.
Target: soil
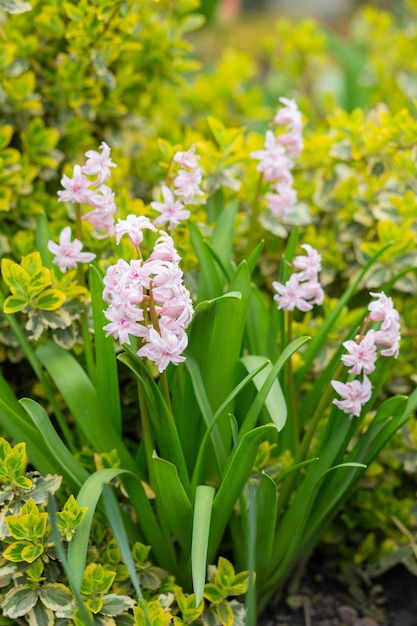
390	601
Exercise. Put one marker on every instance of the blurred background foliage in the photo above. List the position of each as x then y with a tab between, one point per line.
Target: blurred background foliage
131	73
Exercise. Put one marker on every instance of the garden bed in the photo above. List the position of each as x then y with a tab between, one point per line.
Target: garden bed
321	601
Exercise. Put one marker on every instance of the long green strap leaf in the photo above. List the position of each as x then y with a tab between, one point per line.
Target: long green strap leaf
173	502
84	402
237	472
212	280
116	522
17	425
63	460
274	401
200	539
88	496
163	423
107	381
197	474
260	399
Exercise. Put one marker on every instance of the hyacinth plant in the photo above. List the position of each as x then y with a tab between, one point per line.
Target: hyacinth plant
246	442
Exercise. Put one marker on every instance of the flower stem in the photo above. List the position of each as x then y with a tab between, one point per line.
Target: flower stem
146	432
290	382
88	347
254	219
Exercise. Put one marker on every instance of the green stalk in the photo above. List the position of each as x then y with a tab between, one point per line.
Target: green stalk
146	431
254	225
290	381
88	347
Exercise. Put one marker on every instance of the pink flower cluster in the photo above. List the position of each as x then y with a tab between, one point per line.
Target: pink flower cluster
276	160
362	354
95	193
148	299
186	186
303	290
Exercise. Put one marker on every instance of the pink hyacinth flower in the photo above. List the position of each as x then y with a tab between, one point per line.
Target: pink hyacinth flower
354	395
309	266
98	163
280	202
187	184
172	210
188	159
297	295
274	164
164	348
68	253
133	226
361	356
76	189
289	114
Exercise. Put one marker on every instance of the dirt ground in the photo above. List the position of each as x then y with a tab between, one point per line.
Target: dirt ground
392	601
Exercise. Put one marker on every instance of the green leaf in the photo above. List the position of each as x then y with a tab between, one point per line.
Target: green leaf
201	531
107	381
173	501
260	399
212	281
41	616
14	304
83	401
49	300
87	497
16	423
163	424
274	401
215	343
6	133
222	238
238	470
266	511
63	460
114	604
19	601
15	277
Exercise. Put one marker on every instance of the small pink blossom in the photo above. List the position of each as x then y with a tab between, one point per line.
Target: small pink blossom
282	200
274	164
361	356
124	321
293	142
389	337
98	163
309	266
164	249
187	184
389	334
68	253
381	308
133	226
354	395
188	159
76	189
164	348
172	210
289	114
297	295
